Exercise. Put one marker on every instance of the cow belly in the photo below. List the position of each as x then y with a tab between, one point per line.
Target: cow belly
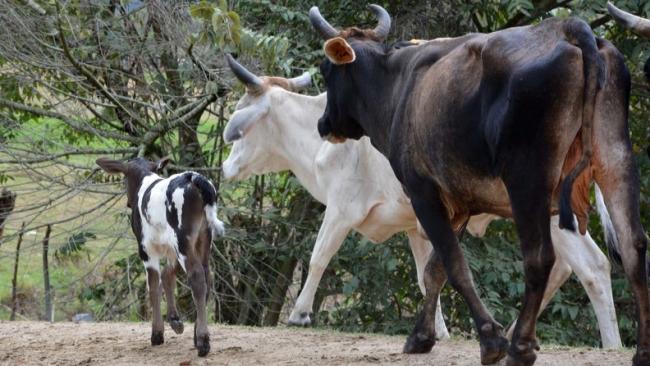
385	220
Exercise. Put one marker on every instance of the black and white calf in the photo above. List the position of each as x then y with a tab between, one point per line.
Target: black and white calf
175	219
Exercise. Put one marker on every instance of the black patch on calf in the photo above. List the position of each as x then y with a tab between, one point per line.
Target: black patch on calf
208	192
180	182
146	197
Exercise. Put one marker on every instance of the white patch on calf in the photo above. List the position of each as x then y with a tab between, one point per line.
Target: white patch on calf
178	198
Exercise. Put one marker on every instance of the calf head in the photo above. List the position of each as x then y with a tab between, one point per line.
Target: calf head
250	126
134	171
353	59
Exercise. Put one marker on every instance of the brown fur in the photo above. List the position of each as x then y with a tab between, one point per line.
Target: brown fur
580	193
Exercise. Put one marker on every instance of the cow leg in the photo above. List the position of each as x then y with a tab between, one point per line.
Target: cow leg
153	284
617	176
422	249
432	215
332	232
533	226
560	273
592	268
169	285
423	336
197	281
622	201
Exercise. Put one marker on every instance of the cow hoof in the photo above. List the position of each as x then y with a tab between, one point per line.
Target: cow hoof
203	344
419	343
493	350
522	353
301	320
177	325
641	358
157	338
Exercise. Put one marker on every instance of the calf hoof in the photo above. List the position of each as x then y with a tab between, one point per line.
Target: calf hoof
522	353
641	358
177	325
157	338
301	320
203	344
419	343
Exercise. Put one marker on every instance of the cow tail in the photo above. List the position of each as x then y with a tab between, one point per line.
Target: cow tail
209	196
594	68
611	240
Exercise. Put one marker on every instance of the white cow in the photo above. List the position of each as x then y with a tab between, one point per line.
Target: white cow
274	129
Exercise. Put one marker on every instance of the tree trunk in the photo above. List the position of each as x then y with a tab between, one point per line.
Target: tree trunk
7	204
46	275
279	292
15	276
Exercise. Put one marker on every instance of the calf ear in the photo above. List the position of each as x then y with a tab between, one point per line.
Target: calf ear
161	164
111	166
339	51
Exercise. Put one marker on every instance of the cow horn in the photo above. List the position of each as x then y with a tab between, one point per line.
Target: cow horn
300	82
321	25
245	76
639	25
383	21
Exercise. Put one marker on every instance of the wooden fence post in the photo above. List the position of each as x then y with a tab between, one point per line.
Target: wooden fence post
14	278
46	276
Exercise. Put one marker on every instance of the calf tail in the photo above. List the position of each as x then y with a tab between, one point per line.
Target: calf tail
209	196
594	69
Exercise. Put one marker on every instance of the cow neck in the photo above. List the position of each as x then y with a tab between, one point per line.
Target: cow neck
300	143
391	88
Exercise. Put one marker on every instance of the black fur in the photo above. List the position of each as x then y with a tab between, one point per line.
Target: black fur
208	192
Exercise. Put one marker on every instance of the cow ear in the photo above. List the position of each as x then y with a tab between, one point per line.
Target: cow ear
111	166
161	164
339	51
242	120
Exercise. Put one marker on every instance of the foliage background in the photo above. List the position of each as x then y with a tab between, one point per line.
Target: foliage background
108	77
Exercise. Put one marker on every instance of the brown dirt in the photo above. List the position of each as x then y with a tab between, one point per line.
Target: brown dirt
34	343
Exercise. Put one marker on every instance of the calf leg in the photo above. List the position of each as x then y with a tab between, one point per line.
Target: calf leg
169	285
432	215
422	249
332	232
153	284
197	281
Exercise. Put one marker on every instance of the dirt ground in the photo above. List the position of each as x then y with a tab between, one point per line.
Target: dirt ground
39	343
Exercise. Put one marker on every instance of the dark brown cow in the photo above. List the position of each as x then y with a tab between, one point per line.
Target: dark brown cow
514	123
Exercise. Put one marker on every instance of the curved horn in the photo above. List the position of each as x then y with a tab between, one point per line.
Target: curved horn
242	74
300	82
321	25
640	26
383	21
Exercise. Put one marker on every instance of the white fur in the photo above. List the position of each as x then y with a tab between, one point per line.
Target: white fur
361	192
